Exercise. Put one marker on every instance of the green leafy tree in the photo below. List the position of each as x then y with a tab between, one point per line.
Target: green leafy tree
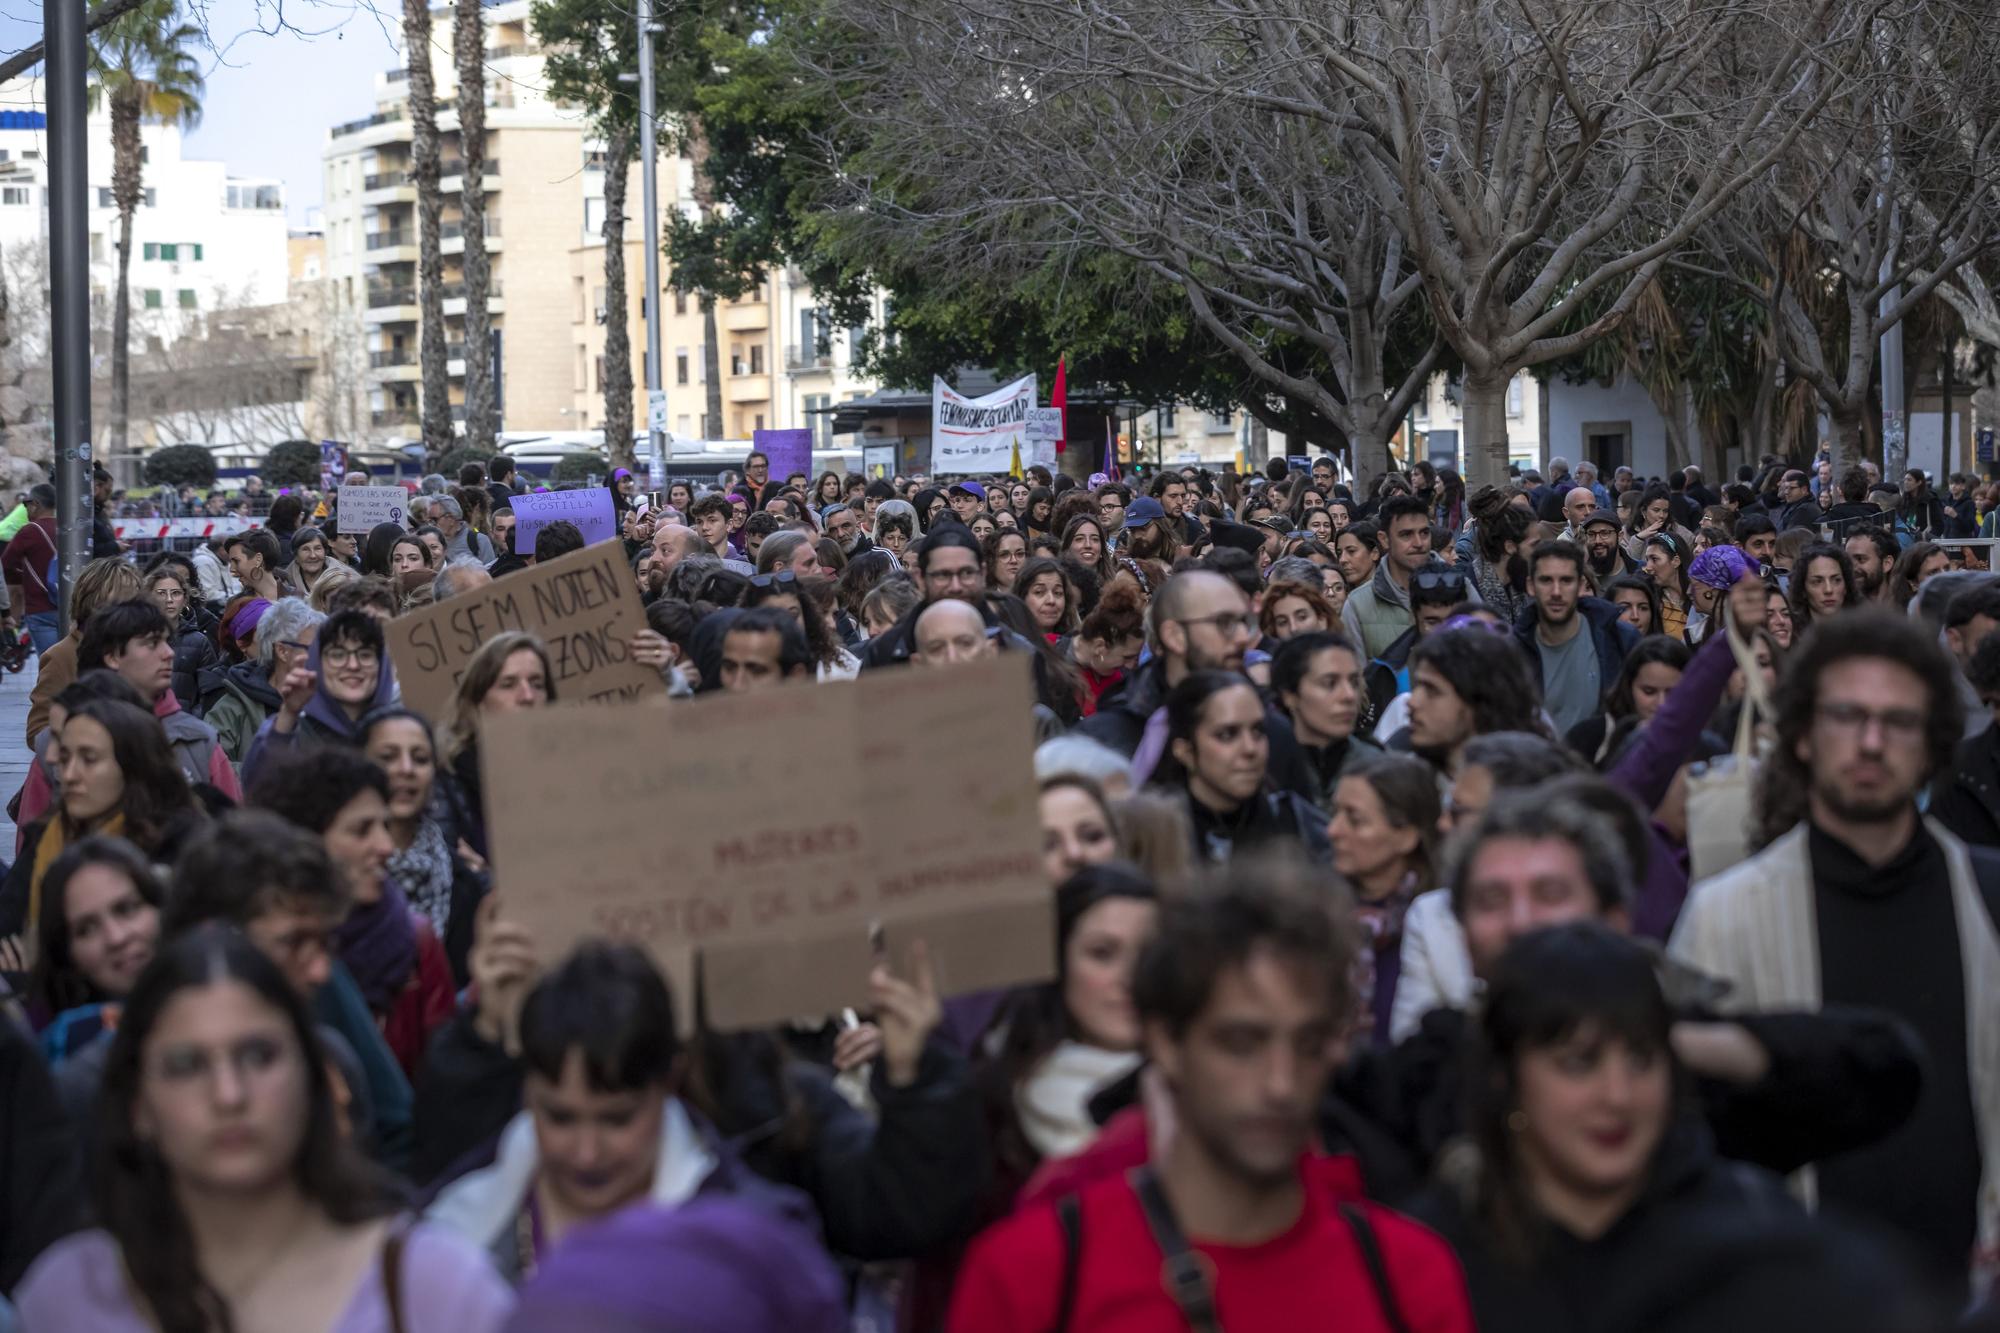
180	465
292	463
580	467
143	70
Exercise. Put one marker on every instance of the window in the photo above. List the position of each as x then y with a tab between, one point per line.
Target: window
1221	423
810	334
593	218
582	373
597	377
104	199
684	425
756	358
680	303
197	253
4	155
170	253
152	298
680	365
759	424
15	196
736	363
1167	416
187	298
151	198
149	250
855	335
1514	396
820	419
581	311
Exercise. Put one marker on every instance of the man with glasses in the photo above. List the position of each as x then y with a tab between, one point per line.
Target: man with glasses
948	564
274	882
1861	900
1796	506
757	474
1200	621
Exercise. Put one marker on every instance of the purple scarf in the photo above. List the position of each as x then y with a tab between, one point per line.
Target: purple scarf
378	943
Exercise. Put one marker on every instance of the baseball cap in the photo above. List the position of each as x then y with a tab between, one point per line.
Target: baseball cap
1601	516
1143	510
971	488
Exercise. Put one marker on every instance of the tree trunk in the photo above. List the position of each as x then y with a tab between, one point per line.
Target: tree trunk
618	425
469	47
1368	455
711	360
1484	422
436	427
126	186
1848	434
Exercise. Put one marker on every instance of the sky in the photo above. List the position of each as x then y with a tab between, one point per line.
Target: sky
280	76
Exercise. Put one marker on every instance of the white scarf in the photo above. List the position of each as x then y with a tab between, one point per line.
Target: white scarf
1053	1102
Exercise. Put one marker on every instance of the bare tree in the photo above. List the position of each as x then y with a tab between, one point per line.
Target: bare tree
237	374
1302	168
469	44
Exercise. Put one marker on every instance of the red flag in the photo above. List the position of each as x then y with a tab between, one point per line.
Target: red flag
1059	400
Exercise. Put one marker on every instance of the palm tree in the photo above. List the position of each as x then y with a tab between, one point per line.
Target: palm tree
436	403
144	71
469	45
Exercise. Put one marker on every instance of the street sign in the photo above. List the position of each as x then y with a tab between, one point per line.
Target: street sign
656	410
1986	444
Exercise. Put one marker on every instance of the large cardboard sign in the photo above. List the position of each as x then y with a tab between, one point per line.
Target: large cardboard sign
592	509
978	435
689	828
583	607
789	451
361	508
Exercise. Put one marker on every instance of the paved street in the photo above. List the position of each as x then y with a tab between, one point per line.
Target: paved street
13	753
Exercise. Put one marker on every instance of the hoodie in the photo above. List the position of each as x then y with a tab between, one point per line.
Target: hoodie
322	719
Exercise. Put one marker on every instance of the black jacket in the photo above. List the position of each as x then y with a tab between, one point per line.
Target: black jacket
1612	637
41	1188
194	653
1711	1246
1383	676
1967	799
885	1189
1268	819
1120	723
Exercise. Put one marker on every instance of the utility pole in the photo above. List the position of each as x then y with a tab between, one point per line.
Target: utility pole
69	286
649	199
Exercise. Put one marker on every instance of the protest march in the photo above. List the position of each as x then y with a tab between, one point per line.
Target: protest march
1004	902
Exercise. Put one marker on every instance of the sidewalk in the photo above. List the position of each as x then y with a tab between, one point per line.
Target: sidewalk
14	754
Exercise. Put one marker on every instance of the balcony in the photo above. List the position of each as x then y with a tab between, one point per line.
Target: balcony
390	240
451	175
395	356
382	297
746	318
395	416
368	122
748	389
385	180
451	236
807	358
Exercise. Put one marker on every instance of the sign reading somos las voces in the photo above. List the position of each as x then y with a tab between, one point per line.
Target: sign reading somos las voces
582	606
780	900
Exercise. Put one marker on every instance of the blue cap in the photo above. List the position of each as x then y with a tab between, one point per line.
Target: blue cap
971	488
1143	510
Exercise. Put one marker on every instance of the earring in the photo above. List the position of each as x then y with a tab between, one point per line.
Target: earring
1517	1121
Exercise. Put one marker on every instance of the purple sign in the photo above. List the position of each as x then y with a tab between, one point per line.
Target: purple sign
593	511
789	450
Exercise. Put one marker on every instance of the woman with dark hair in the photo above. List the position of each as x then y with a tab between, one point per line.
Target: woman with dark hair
382	538
1384	835
1216	760
1638	601
1823	584
1666	559
1051	600
827	490
195	650
510	671
1914	568
1083	541
287	512
680	497
983	527
1498	569
1918	508
100	927
1006	551
1778	618
346	676
786	591
309	560
1591	1184
930	505
861	576
1450	511
895	527
441	876
1651	671
1651	517
119	778
1108	643
227	1196
1059	685
1040	510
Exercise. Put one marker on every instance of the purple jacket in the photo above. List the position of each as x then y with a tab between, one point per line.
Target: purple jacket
1647	769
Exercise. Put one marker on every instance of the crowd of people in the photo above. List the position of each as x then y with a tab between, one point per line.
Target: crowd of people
1568	905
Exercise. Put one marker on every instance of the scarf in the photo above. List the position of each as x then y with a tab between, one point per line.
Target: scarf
48	847
1053	1102
426	867
378	943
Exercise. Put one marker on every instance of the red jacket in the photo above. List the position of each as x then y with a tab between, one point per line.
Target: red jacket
423	1007
26	562
1013	1279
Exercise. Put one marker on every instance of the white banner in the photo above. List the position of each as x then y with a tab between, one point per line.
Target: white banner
362	507
973	435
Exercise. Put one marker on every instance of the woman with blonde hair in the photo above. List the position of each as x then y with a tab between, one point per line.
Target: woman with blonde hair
510	672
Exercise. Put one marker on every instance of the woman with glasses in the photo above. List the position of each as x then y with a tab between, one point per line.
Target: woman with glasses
1218	753
194	631
895	527
1005	552
346	676
237	698
227	1195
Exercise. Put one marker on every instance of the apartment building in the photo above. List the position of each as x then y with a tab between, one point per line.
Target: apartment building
202	239
534	211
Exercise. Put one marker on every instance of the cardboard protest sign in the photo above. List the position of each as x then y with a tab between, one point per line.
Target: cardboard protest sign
789	451
363	507
582	606
593	511
702	845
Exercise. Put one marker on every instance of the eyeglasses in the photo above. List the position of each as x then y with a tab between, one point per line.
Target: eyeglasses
343	657
784	578
1431	580
970	574
1903	723
1226	623
295	645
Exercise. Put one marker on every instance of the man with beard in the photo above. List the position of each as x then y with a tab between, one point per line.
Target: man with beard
1466	682
1578	641
1861	900
1874	554
1603	559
